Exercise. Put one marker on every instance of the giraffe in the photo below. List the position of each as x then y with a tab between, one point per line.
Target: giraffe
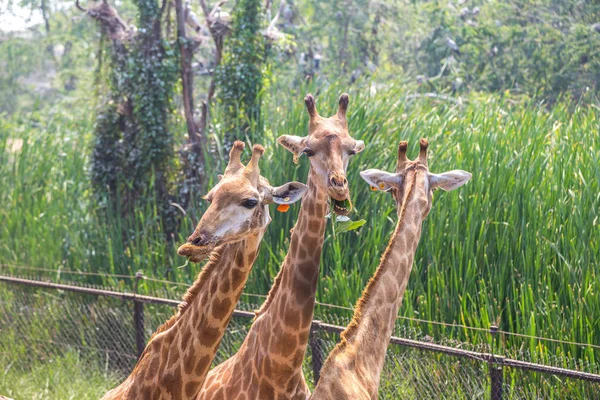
178	356
354	366
268	364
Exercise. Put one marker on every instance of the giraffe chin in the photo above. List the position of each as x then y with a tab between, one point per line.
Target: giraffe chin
341	207
195	254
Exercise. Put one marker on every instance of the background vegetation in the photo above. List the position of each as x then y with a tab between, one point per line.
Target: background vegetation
505	90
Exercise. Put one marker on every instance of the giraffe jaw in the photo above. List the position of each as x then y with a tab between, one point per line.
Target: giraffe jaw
195	254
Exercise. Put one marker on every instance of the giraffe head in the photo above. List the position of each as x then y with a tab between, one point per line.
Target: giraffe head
239	205
329	148
412	178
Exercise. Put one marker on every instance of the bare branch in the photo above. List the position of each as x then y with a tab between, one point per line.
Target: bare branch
205	8
216	7
272	33
276	17
186	73
109	20
79	6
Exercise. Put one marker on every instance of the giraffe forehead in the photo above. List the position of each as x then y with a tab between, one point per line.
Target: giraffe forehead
233	189
331	143
328	126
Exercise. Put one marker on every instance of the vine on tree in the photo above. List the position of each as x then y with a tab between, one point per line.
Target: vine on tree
240	77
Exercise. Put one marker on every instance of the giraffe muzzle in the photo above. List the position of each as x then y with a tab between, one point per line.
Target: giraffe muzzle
339	194
194	253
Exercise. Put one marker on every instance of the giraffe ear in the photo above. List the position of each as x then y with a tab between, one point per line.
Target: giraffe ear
295	144
288	193
449	180
381	180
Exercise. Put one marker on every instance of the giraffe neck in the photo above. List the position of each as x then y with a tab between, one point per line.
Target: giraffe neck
177	359
290	304
366	339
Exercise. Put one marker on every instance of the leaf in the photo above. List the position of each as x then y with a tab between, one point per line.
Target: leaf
349	225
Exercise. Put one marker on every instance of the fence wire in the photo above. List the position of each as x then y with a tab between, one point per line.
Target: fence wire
65	344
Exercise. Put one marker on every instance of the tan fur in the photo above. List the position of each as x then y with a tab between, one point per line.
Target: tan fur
198	285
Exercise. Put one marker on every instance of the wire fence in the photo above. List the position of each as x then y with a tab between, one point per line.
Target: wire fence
47	328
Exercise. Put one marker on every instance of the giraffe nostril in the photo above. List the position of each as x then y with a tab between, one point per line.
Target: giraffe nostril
338	182
197	241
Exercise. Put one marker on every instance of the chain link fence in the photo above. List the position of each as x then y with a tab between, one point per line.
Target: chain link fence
62	341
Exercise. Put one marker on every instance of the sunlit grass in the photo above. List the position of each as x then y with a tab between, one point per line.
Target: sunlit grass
65	377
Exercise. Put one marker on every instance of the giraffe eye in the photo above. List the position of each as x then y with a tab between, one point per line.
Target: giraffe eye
249	203
308	152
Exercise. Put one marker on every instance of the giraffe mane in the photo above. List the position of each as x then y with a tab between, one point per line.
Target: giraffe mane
351	329
271	295
193	291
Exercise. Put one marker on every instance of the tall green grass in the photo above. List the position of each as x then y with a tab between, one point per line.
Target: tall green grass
518	246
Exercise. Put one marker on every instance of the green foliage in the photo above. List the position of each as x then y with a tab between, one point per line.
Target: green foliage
107	154
19	59
543	48
37	68
133	148
349	225
346	33
240	76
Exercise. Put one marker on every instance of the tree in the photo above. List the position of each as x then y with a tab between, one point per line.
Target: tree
133	147
240	77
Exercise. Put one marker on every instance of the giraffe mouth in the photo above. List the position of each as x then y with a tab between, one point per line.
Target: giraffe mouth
195	254
341	207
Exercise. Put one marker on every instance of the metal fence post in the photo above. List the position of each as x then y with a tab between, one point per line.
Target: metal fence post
316	348
495	370
138	318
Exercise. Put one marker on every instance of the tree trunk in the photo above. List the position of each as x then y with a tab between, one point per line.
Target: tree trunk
191	155
187	77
